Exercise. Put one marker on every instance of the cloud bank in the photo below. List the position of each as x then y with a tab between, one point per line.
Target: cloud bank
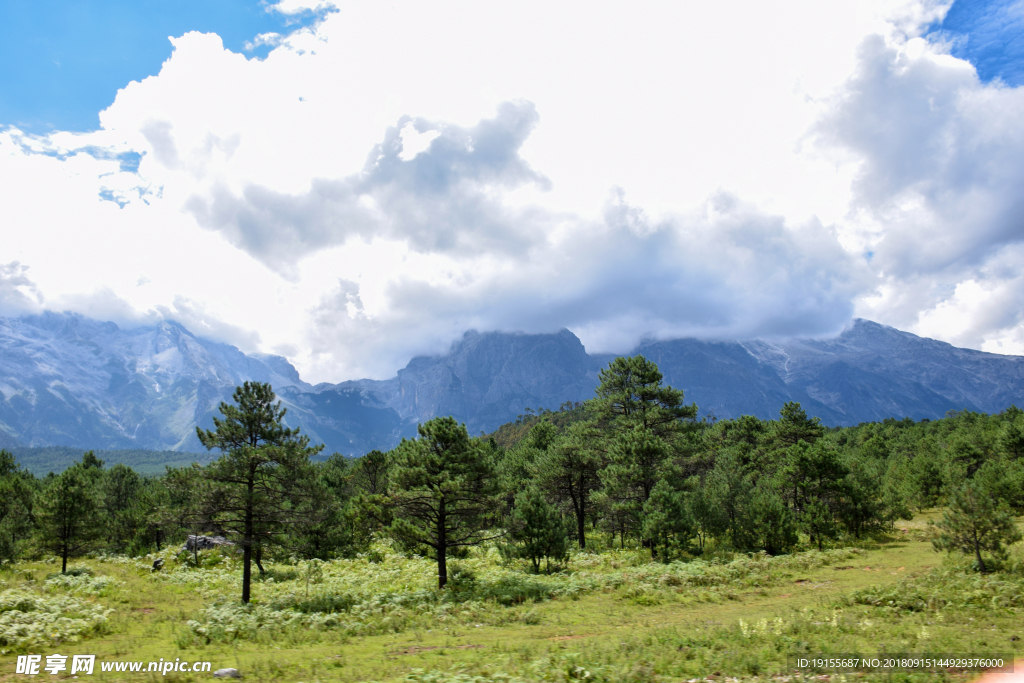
936	197
388	179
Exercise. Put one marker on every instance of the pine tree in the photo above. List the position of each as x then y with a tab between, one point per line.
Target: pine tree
537	529
443	491
259	479
772	523
794	426
568	469
124	504
976	521
645	422
667	522
16	502
708	518
68	514
371	473
630	394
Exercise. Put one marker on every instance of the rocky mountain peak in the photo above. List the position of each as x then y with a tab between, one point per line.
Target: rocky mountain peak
68	380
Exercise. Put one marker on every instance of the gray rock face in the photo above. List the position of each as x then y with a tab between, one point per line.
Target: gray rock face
485	380
869	372
68	380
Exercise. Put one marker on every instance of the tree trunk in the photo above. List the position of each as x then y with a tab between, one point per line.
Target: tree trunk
977	551
64	560
247	544
442	547
581	521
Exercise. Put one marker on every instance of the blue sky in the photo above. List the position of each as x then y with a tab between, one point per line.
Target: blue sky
990	35
64	60
402	171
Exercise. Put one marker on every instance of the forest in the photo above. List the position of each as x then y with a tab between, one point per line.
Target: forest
628	494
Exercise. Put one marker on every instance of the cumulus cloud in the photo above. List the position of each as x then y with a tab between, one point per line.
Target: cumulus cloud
937	196
442	199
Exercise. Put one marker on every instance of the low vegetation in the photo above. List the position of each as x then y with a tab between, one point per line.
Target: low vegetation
606	615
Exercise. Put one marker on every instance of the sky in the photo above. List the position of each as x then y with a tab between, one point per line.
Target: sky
351	184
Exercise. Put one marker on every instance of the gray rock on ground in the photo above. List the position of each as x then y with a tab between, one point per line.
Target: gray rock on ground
226	673
206	542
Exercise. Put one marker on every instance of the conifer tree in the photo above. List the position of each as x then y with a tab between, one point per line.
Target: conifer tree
538	530
124	506
443	491
371	473
568	469
667	521
976	521
16	502
794	426
68	513
630	394
259	479
644	422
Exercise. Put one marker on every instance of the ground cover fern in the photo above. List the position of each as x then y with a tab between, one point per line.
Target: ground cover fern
85	584
945	587
30	620
391	593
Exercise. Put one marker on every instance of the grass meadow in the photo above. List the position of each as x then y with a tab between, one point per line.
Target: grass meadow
609	615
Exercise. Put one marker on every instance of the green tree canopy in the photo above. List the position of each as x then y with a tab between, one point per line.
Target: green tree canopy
537	530
976	521
443	490
568	470
630	393
260	478
67	514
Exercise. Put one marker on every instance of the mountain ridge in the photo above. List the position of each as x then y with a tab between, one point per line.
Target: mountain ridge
67	380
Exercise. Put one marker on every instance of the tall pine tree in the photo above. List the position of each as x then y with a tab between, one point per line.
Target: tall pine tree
256	483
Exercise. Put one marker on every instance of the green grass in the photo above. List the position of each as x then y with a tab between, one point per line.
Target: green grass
611	616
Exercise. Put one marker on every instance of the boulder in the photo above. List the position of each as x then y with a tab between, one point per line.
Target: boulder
226	673
206	542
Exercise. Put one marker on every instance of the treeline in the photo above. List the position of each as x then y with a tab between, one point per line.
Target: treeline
632	466
44	459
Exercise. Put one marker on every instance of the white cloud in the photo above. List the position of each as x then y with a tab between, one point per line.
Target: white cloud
405	171
936	198
446	198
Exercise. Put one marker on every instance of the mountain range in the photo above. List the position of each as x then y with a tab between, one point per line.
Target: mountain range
67	380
